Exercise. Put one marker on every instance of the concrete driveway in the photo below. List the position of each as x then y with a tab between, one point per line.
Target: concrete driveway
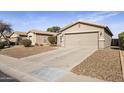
50	66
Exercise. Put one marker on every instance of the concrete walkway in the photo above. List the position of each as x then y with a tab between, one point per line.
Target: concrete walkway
50	66
122	61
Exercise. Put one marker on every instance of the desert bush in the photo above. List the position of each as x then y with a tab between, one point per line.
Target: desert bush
12	43
121	40
2	45
52	40
41	44
26	42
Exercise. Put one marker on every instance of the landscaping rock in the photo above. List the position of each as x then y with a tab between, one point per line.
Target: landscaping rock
103	64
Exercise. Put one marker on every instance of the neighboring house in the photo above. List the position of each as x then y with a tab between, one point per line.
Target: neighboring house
17	36
7	35
39	37
84	34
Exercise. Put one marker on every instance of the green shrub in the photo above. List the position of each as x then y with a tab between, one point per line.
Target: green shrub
121	40
26	42
52	40
2	45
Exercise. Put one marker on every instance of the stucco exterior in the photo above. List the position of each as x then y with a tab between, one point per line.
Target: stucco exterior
39	37
42	39
16	35
89	34
108	39
32	37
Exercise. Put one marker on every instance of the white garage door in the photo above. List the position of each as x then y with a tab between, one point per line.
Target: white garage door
81	40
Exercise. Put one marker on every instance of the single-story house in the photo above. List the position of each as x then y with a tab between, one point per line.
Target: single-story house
16	35
7	35
85	34
39	37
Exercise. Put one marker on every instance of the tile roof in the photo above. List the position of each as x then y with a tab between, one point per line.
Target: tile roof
42	32
87	23
21	33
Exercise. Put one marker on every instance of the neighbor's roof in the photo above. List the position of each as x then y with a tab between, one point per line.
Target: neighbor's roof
21	33
87	23
42	32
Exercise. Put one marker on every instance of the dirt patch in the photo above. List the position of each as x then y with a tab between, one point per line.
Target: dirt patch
103	64
20	51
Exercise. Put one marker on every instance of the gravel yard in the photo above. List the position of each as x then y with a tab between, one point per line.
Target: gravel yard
103	64
20	51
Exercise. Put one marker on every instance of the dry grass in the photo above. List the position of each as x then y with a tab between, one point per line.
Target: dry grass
103	64
20	52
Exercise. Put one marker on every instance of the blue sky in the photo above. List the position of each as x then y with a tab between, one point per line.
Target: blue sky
24	21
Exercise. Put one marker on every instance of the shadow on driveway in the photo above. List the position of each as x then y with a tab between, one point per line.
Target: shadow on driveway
6	78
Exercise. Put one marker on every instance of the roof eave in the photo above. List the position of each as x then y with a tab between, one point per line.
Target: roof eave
102	26
107	28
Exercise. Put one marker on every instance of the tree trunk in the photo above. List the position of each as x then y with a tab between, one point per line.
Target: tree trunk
8	42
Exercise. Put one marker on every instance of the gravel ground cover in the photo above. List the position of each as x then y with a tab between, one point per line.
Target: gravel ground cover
20	51
103	64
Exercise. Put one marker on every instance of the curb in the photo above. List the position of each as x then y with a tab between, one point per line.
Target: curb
21	76
122	63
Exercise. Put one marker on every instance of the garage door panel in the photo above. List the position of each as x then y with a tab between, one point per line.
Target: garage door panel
82	40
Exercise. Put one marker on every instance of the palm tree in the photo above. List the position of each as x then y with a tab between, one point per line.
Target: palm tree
5	28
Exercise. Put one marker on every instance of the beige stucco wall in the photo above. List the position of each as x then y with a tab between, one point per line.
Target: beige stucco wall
15	36
32	37
108	39
60	40
13	39
38	38
42	39
83	28
103	39
2	38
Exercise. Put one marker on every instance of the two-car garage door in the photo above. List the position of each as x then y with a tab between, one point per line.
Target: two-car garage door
89	39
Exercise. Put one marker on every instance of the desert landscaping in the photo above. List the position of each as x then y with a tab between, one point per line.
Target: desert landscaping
21	51
103	64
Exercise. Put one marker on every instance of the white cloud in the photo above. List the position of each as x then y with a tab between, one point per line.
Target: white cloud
116	27
98	16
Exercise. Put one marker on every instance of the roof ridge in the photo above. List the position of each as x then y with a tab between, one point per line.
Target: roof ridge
88	23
